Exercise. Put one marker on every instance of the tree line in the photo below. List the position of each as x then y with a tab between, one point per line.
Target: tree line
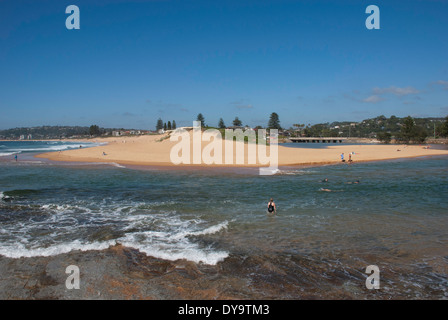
165	126
274	123
412	132
401	130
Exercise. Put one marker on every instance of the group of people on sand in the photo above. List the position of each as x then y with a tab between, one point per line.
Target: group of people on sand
349	157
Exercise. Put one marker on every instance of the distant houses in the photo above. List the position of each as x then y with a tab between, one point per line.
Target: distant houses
120	133
64	132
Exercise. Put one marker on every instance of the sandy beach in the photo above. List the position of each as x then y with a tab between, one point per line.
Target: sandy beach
154	150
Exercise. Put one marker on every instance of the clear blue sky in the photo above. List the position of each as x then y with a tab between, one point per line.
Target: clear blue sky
135	61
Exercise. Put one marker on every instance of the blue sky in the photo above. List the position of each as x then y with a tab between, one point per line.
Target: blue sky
132	62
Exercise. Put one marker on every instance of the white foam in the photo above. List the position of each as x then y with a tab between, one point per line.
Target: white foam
5	154
18	250
174	244
50	148
190	254
164	235
117	165
209	230
158	250
294	172
3	196
114	164
57	207
268	171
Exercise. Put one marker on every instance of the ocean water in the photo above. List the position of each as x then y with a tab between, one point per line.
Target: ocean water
320	242
12	148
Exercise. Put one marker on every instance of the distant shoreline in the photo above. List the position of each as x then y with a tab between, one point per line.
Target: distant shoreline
281	141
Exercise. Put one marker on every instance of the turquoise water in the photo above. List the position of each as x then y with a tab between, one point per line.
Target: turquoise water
321	241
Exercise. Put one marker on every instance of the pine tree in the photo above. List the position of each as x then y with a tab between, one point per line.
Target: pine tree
221	124
169	125
174	124
94	130
201	118
159	125
274	122
408	128
164	126
237	122
411	132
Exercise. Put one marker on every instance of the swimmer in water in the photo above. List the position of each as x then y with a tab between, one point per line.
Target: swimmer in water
329	190
271	207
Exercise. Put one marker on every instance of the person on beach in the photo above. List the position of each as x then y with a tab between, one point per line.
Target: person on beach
342	157
271	206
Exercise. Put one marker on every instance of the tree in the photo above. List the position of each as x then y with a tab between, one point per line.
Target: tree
299	127
237	122
384	137
221	124
169	125
164	126
444	128
274	122
410	132
420	135
174	124
407	130
159	125
94	130
201	118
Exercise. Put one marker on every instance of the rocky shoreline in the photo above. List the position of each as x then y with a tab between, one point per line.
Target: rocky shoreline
121	273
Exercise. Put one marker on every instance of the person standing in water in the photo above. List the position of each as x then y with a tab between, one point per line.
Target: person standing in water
271	206
15	157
